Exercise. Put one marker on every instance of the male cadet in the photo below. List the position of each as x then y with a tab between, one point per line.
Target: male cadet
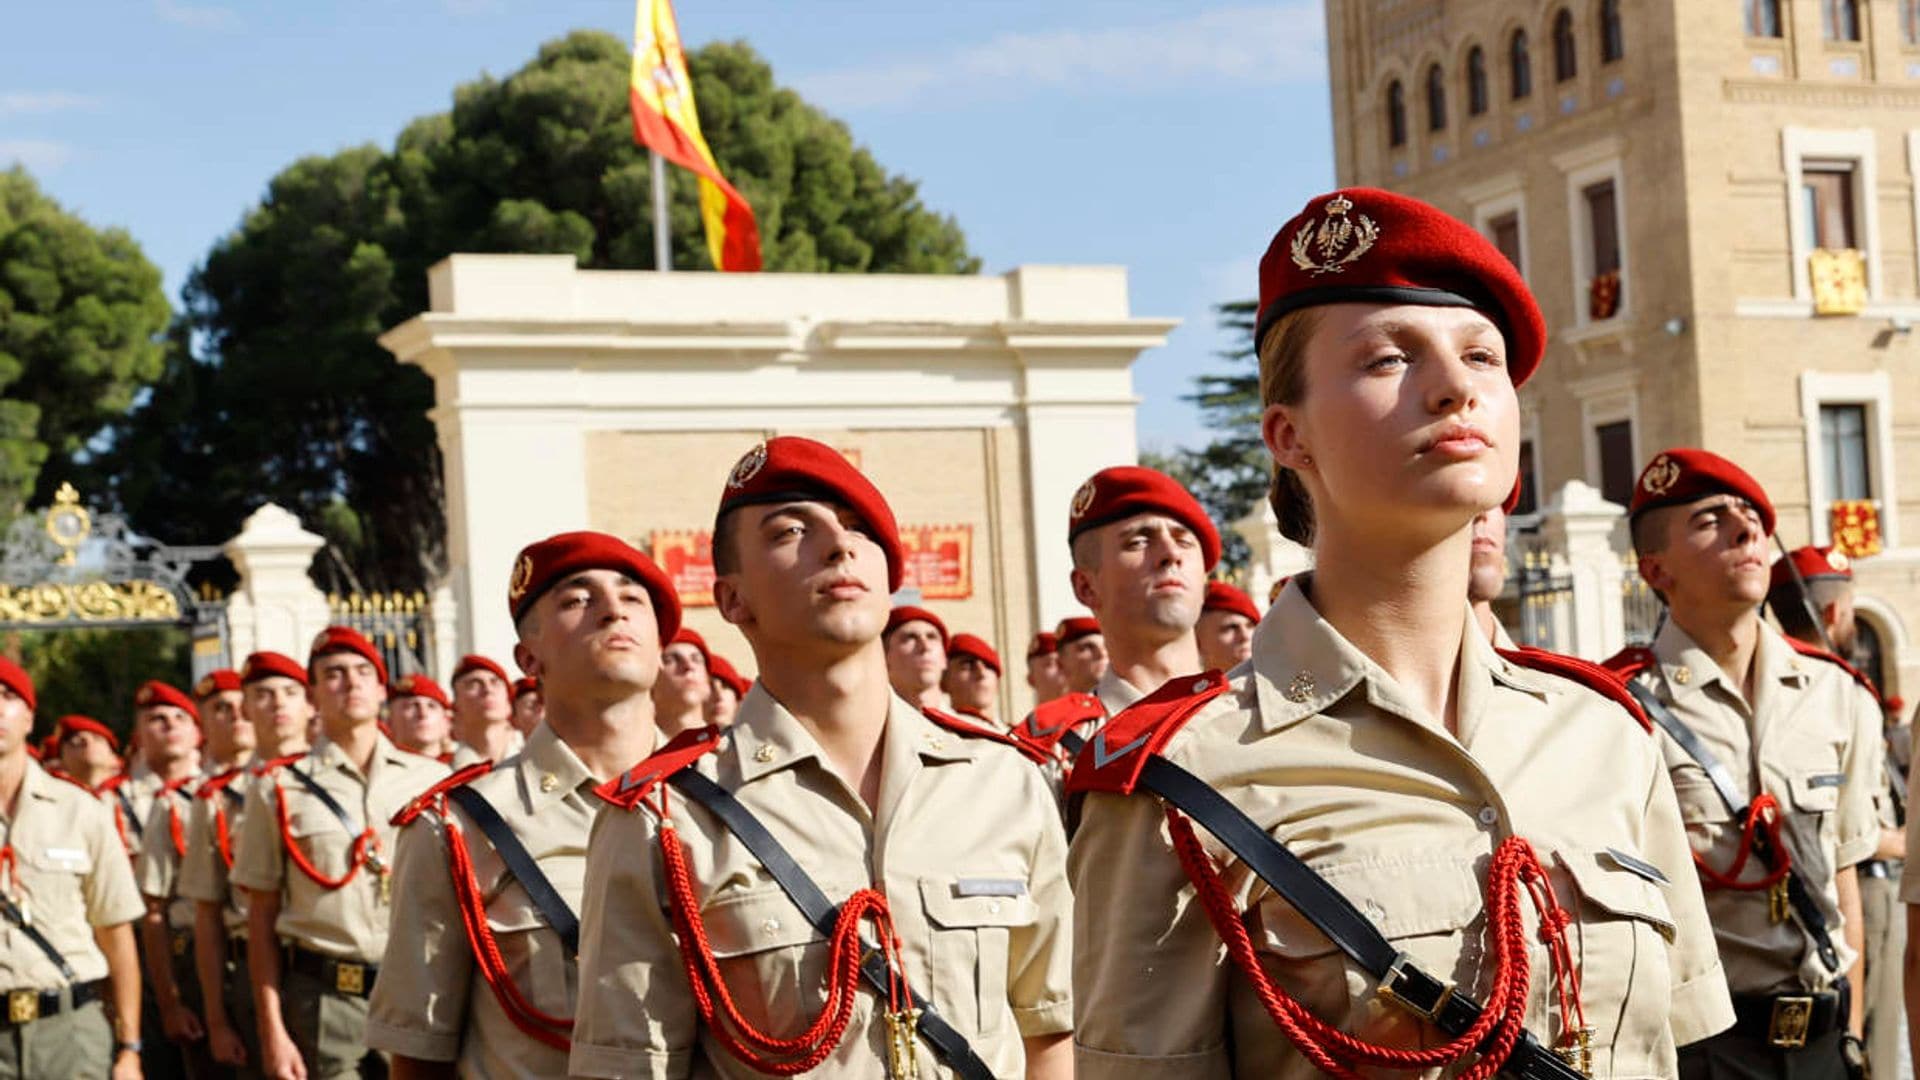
1225	629
314	856
89	751
1775	786
482	713
1488	576
1043	667
527	709
681	693
916	643
480	976
68	902
729	687
166	739
167	931
972	681
941	846
1082	651
417	717
274	702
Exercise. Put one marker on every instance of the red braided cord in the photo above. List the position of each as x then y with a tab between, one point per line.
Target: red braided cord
1763	812
540	1025
223	832
1338	1053
356	855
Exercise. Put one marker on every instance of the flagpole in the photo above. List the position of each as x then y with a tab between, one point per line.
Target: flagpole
662	243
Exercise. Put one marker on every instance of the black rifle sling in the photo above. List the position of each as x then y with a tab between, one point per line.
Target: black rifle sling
19	919
313	788
951	1046
1335	916
552	906
128	814
1798	896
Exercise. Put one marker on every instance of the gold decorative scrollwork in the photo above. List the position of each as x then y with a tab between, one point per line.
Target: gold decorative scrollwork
94	601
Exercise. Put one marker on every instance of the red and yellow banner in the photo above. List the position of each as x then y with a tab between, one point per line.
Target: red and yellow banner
939	561
1856	527
687	558
665	121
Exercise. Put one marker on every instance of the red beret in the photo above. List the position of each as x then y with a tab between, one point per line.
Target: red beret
15	678
269	665
1814	564
1125	490
418	685
471	663
1044	644
541	565
1682	475
523	687
1363	245
789	468
686	636
339	639
154	693
976	647
1224	597
724	671
218	681
70	724
907	613
1896	705
1072	630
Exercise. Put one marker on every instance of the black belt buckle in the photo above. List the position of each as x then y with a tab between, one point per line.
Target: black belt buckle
1418	992
1792	1016
23	1006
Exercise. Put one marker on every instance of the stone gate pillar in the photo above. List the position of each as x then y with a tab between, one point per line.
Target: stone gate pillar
277	606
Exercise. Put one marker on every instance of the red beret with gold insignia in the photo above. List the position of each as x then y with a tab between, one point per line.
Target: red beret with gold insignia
722	670
339	639
473	662
418	685
542	565
153	694
1073	629
1043	644
523	687
1222	596
1814	564
268	665
70	724
907	613
15	678
1363	245
688	636
218	681
1122	491
1684	474
789	468
975	647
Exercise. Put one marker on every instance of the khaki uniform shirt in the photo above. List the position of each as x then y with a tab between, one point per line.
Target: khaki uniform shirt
1317	744
966	845
430	1002
349	922
156	867
1115	692
132	803
70	877
1799	741
203	872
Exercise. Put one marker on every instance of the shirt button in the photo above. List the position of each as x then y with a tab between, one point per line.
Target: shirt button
1489	816
770	926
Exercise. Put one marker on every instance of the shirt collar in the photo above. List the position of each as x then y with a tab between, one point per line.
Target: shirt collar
1301	663
549	770
1688	669
1115	692
767	738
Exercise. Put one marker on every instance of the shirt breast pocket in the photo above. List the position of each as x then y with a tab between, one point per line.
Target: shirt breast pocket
1816	791
533	953
973	919
321	836
53	877
1700	801
772	958
1623	928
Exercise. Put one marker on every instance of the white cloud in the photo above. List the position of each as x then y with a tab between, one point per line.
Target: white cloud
23	102
38	155
196	16
1268	44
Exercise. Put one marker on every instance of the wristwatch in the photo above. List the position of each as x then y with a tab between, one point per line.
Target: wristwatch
126	1046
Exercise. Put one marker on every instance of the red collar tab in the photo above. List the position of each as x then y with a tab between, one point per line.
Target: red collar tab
979	730
1629	662
434	797
1111	761
626	790
219	783
1591	675
1051	720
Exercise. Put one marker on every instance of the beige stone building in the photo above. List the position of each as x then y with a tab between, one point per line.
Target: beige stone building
1667	174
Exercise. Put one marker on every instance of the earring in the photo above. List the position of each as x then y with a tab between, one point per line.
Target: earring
1307	461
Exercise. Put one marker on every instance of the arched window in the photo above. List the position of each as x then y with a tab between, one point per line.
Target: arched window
1763	18
1613	41
1476	81
1520	65
1436	99
1842	20
1396	114
1566	60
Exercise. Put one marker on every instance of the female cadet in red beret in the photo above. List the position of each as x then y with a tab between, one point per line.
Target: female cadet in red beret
1480	822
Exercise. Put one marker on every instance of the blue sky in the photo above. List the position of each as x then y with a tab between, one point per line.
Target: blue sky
1168	137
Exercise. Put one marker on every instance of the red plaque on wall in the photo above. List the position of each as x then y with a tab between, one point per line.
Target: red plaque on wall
687	558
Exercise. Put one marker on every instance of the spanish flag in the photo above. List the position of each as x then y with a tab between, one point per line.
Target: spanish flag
665	121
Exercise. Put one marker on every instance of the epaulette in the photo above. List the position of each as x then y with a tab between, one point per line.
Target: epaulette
1051	720
216	784
261	768
1819	653
431	798
981	731
69	779
111	783
1586	673
1630	661
626	790
1112	759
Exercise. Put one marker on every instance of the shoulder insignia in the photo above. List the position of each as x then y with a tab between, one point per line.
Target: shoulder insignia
1819	653
1051	720
433	796
978	729
626	790
1112	759
1601	678
1628	662
216	784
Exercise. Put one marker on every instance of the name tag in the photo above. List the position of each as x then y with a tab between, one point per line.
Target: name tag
1637	866
987	886
1831	779
66	854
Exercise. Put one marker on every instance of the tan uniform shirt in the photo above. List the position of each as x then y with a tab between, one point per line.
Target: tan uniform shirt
131	801
348	922
430	1002
156	867
966	844
70	877
1115	692
1317	744
203	871
1800	737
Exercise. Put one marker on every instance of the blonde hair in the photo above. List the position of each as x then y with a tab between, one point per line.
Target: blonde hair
1283	381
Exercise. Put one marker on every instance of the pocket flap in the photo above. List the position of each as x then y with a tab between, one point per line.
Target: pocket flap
755	921
1401	899
954	906
1817	791
58	859
1616	885
312	820
1699	800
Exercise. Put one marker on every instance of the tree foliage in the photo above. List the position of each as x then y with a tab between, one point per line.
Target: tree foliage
81	311
276	388
94	672
1231	473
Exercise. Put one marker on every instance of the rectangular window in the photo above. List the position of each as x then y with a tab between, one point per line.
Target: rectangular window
1603	227
1910	22
1529	499
1843	447
1842	20
1763	18
1617	467
1827	190
1505	233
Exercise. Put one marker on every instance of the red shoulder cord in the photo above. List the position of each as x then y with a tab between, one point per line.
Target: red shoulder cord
223	833
1339	1054
551	1030
356	855
758	1050
1762	813
175	831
